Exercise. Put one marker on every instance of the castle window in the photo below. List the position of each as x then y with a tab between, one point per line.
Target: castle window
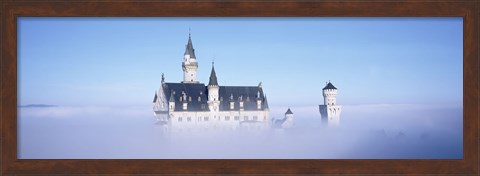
199	98
203	106
255	118
190	98
248	98
236	118
227	118
179	119
245	117
189	119
205	119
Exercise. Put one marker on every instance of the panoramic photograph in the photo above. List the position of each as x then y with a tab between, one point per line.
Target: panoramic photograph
240	88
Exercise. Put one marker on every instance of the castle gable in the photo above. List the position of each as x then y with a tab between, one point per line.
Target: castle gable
248	94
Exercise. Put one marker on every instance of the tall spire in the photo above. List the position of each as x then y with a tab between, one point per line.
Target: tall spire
189	48
213	77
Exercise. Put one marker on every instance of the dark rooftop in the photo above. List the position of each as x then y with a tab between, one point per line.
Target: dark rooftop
196	96
329	86
155	97
213	77
247	94
189	48
193	94
289	111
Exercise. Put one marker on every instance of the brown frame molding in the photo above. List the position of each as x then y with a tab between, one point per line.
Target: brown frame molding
10	10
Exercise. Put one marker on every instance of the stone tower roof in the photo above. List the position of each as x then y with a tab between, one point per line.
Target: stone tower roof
289	111
213	77
329	86
189	48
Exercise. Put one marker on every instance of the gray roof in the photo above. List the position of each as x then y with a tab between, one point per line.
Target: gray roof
248	94
265	102
329	86
174	91
189	48
289	111
213	77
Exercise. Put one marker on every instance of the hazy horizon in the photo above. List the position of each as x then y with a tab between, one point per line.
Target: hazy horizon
377	132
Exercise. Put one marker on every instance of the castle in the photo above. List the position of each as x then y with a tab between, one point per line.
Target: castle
191	104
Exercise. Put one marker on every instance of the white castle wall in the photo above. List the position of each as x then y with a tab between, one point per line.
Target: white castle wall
228	120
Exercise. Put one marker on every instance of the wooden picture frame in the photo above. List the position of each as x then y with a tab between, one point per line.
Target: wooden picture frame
11	10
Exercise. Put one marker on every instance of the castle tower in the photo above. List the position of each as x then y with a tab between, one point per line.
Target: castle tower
330	111
288	119
189	64
213	88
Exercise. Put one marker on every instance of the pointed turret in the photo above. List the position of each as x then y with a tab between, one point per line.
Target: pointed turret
288	111
189	47
189	64
213	77
213	91
288	119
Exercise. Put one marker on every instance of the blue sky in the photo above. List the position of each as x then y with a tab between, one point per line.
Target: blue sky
119	61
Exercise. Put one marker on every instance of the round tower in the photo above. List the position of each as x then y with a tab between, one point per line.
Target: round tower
329	94
189	64
288	119
330	110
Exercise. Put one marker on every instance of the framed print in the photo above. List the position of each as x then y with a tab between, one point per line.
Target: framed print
233	87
